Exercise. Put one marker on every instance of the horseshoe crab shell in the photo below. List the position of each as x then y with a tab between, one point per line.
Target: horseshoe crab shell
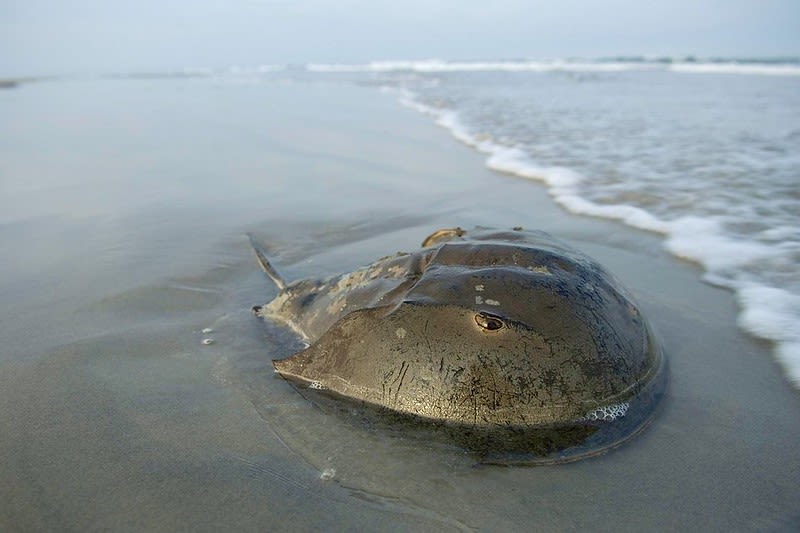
513	343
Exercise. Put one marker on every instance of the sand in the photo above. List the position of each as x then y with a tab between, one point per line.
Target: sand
123	233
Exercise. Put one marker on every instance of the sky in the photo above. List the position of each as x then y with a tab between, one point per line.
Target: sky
40	37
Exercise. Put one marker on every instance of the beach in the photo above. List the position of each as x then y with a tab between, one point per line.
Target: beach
124	214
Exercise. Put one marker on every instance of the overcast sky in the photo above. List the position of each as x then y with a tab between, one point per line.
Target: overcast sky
80	36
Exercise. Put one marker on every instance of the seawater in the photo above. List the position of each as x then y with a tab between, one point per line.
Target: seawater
705	153
124	206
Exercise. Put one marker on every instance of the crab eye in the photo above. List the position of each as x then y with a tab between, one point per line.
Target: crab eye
488	321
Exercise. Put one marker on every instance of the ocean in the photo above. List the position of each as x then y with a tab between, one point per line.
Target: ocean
706	153
137	389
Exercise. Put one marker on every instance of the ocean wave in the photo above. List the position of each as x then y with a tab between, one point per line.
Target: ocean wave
439	66
737	68
561	65
562	182
767	312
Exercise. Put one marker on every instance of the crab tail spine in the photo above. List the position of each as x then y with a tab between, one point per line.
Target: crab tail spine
266	266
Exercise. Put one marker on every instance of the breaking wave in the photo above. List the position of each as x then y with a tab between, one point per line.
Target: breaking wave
788	67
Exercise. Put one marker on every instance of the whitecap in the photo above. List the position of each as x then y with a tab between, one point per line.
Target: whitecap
736	68
558	65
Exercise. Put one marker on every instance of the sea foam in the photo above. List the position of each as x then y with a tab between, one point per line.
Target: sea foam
559	65
439	66
737	68
771	313
562	182
767	312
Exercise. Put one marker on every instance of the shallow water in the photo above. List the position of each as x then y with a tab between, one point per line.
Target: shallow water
123	218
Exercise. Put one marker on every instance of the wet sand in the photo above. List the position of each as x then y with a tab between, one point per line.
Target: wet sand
122	228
